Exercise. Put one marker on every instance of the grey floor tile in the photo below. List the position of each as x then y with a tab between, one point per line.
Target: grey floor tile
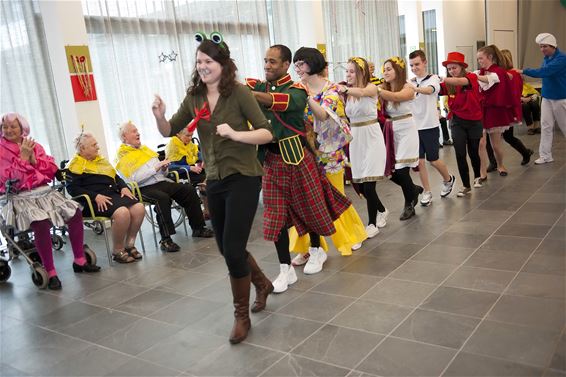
186	311
538	285
443	254
524	230
136	367
543	207
497	260
307	282
510	243
148	302
138	336
460	239
372	316
469	364
104	323
113	295
357	373
373	266
277	301
396	250
241	360
338	345
94	361
399	292
346	284
460	301
184	349
218	291
23	303
396	357
316	306
558	233
441	329
281	332
546	264
534	218
66	315
157	276
558	361
8	371
423	272
480	279
552	247
486	215
189	283
519	344
535	312
472	227
293	365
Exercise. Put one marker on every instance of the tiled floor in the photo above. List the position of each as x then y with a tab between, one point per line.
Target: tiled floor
470	287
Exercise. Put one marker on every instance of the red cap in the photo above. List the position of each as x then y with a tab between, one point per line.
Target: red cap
455	57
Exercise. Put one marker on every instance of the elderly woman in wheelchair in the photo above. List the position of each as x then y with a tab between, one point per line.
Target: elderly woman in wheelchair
35	204
91	176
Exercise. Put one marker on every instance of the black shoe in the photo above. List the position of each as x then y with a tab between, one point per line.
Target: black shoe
169	246
527	157
408	212
54	283
87	267
203	232
440	146
448	142
491	168
418	190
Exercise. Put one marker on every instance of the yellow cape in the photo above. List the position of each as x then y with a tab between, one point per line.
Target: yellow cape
130	159
100	165
176	150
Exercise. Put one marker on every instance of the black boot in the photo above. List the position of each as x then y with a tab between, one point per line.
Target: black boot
262	284
241	297
527	157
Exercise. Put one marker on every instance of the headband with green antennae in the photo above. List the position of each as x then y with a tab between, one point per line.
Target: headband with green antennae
200	36
215	37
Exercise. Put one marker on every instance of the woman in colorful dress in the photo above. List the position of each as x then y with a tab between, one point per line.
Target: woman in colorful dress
325	112
367	149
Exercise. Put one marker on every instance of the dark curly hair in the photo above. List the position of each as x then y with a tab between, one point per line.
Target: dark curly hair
219	53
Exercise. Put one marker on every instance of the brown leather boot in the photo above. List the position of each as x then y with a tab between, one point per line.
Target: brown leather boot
241	295
262	284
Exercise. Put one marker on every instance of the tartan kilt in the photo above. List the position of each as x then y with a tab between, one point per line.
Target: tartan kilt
299	195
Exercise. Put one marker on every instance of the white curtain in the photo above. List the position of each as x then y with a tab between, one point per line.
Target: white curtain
144	47
25	74
366	28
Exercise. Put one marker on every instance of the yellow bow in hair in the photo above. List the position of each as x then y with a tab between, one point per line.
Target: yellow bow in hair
359	61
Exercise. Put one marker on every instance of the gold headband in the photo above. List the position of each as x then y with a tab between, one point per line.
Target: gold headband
360	62
397	60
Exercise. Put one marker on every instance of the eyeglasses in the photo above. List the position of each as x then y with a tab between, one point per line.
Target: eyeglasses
299	64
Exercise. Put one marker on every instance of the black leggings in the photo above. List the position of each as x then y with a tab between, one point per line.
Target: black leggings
232	203
512	141
402	177
531	112
373	202
282	245
466	134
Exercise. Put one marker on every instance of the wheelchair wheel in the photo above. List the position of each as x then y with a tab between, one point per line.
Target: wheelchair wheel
5	272
98	227
177	215
39	276
57	242
89	255
34	256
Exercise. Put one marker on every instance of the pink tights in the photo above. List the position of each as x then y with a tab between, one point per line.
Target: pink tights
42	232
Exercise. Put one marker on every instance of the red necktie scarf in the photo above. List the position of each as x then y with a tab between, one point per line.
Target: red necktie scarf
203	113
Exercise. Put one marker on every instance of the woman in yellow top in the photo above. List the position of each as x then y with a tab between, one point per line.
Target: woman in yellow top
92	175
531	108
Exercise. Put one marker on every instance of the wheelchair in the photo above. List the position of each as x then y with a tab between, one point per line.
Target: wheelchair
20	244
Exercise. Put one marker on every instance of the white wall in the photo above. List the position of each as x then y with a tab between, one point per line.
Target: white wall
464	25
502	24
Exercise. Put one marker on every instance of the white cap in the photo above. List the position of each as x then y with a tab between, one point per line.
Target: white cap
546	39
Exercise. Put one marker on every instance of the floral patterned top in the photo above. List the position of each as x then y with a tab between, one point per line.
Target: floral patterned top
333	133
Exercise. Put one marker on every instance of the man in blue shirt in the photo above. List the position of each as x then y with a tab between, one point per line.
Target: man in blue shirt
553	107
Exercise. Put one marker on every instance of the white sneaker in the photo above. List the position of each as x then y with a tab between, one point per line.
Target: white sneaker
287	276
300	259
316	260
477	182
447	187
356	246
381	219
543	160
372	230
426	200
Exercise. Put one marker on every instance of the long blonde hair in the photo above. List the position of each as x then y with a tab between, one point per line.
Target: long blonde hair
400	69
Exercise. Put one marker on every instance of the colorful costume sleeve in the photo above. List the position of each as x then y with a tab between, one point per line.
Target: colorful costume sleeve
294	100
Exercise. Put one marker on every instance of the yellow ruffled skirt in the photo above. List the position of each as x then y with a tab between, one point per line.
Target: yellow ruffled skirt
349	227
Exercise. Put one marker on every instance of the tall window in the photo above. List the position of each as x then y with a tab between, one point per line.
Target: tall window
26	79
402	37
431	49
144	47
